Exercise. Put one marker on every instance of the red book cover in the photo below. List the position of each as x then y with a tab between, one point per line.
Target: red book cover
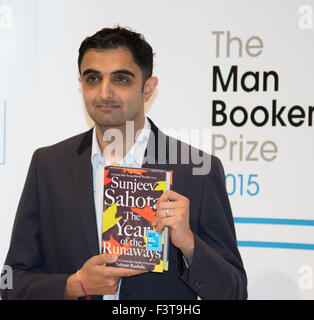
130	197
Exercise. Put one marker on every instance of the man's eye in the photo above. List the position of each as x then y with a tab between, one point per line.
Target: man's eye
122	79
92	78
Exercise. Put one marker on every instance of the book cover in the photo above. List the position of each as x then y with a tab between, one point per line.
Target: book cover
130	197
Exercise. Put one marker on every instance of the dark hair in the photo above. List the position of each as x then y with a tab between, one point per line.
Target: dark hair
111	38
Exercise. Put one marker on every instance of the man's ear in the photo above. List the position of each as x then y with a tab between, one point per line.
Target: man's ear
149	87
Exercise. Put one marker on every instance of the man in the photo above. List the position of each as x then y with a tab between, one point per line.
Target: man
55	243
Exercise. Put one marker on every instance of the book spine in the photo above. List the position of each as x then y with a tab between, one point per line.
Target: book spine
166	230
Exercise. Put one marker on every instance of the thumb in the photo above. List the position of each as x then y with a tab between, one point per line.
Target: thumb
104	258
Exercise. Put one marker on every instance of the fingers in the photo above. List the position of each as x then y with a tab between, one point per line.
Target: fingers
101	279
170	195
166	218
171	204
172	211
171	200
160	224
163	205
103	258
167	213
123	272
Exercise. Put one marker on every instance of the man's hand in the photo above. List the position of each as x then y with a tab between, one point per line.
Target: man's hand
97	278
173	212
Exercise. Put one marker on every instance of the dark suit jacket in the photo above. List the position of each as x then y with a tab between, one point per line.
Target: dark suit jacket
55	229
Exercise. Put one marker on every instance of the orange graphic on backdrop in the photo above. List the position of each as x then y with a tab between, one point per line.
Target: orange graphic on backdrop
147	213
114	247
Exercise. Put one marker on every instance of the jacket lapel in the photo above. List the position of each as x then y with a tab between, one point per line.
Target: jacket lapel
157	151
83	188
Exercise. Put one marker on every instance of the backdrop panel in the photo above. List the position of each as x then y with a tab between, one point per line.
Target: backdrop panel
17	106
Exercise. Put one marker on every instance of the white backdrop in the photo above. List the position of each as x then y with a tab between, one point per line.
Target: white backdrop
272	201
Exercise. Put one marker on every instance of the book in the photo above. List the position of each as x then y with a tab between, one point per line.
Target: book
130	196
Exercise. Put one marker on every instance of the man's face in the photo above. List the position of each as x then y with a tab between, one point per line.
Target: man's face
112	87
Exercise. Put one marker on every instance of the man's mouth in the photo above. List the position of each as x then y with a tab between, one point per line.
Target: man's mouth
107	107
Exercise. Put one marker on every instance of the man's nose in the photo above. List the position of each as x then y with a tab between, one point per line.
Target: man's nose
106	89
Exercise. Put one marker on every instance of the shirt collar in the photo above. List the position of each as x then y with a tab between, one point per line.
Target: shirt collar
134	157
